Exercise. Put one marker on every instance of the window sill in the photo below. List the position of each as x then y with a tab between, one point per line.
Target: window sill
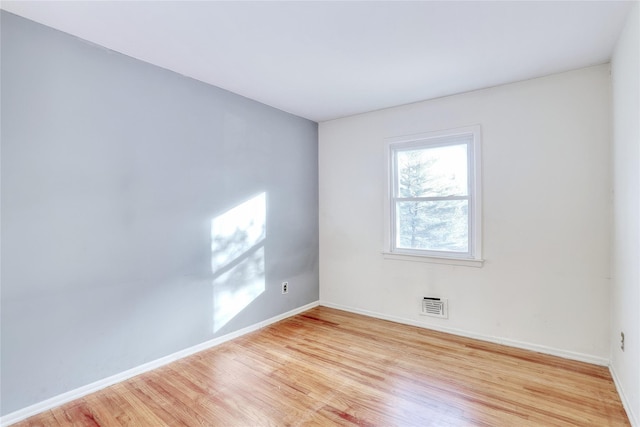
477	263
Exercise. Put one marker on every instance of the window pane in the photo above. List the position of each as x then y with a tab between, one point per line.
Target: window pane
433	225
433	172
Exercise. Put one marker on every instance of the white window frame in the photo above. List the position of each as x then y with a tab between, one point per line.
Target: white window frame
456	136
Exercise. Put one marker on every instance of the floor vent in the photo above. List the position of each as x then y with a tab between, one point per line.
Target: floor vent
435	307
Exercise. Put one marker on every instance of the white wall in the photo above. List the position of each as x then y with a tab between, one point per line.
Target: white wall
546	216
625	73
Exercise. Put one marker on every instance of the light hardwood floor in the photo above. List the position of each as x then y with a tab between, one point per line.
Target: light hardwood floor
330	367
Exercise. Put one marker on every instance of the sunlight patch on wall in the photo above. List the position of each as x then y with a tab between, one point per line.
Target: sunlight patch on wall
237	258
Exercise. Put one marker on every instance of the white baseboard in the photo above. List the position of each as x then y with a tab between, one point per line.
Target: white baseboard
63	398
497	340
77	393
633	418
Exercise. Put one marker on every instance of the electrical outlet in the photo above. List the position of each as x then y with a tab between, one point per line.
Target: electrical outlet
622	341
285	287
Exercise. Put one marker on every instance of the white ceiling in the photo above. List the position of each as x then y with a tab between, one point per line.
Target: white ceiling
324	60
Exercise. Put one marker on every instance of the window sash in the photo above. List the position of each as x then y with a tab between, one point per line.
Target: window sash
430	199
470	138
436	252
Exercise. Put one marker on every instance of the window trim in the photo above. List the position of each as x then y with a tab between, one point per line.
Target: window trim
434	139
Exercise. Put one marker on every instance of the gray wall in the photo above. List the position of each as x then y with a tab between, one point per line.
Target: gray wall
112	172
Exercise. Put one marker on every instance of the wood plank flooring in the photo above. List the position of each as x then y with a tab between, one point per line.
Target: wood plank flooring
329	367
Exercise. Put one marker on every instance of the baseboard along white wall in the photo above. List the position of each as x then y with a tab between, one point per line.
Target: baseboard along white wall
497	340
633	418
580	357
61	399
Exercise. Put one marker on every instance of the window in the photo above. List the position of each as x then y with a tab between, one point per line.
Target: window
433	195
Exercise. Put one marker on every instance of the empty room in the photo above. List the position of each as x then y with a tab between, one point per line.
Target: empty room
371	213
